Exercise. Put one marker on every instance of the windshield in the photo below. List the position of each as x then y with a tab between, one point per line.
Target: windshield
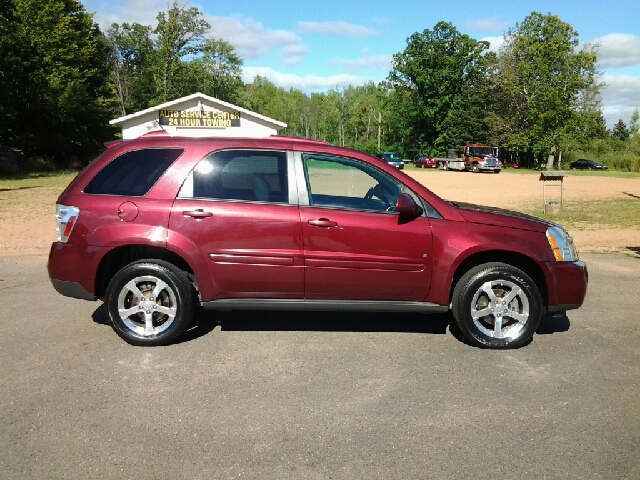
390	156
477	151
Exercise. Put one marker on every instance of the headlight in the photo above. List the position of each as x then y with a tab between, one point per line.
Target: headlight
561	245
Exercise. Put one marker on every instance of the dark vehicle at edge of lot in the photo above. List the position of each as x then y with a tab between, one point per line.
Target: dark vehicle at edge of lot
160	225
392	158
587	164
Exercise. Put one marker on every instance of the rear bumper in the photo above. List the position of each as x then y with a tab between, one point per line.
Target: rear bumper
72	269
570	286
72	289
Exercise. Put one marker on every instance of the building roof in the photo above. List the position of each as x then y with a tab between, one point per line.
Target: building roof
201	96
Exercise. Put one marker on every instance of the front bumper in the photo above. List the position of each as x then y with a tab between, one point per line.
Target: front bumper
571	280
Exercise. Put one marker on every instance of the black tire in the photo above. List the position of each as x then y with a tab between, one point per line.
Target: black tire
505	325
475	168
163	299
496	171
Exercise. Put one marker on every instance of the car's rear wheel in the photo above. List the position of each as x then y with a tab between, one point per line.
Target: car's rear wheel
497	305
150	303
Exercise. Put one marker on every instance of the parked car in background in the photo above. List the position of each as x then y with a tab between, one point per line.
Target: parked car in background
425	161
587	164
510	165
162	225
392	158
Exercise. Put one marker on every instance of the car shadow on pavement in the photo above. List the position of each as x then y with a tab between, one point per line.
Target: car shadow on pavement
551	324
100	315
205	322
634	250
331	321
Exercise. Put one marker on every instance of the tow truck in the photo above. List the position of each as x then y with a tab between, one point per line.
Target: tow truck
476	158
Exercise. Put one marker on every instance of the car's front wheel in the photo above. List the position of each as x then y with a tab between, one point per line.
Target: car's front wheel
150	303
497	305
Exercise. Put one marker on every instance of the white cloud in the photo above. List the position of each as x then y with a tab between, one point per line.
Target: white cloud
306	83
613	114
495	43
252	40
621	90
618	50
342	29
367	60
620	97
486	24
133	11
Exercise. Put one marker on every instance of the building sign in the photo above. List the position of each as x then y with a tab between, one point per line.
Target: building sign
199	118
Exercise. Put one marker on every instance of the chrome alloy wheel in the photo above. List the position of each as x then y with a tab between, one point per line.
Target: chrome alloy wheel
147	305
500	309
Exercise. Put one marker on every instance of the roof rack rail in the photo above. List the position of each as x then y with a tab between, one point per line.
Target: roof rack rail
299	139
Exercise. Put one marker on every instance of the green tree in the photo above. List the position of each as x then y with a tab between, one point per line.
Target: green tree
428	82
132	56
542	78
179	33
56	100
634	124
620	131
223	67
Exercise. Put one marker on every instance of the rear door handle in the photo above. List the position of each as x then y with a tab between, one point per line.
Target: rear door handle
322	222
199	213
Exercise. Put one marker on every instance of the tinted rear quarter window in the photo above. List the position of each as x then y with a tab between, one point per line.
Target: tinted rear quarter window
133	173
250	175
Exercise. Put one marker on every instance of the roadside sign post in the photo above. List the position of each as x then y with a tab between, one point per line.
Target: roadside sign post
548	176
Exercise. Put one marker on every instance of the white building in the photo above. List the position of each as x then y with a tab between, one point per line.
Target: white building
198	115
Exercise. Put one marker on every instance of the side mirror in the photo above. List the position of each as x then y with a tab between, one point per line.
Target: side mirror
405	205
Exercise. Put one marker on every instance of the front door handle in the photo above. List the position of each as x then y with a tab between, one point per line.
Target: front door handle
199	213
322	222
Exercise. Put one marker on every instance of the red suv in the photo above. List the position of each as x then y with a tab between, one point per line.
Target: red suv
160	225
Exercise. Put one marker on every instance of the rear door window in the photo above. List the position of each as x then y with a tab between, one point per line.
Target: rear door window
250	175
133	173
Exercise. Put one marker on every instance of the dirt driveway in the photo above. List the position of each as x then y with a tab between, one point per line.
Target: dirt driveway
27	214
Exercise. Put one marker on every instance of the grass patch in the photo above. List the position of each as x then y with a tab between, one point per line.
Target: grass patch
49	180
579	173
596	214
31	193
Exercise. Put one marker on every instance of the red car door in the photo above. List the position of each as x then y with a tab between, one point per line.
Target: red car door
234	210
355	245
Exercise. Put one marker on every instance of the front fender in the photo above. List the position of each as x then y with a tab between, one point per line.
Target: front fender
455	242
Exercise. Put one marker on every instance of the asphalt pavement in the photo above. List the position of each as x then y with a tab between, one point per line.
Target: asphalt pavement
274	395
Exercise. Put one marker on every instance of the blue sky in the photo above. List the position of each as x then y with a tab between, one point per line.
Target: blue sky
314	46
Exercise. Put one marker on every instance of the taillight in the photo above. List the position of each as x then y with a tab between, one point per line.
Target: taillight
65	220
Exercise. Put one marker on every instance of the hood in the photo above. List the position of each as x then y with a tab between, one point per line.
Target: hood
501	218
